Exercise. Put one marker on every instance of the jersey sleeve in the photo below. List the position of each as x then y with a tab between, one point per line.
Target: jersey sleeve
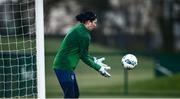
84	54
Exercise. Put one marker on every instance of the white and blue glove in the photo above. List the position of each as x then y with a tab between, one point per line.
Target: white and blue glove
104	67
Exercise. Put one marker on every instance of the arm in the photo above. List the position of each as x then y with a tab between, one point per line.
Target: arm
92	62
84	54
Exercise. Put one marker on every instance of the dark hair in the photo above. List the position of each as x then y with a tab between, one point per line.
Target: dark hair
85	16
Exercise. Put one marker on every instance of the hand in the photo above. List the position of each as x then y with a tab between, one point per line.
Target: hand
99	62
104	67
103	71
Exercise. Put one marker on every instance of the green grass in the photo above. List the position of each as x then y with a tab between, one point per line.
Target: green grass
163	84
142	82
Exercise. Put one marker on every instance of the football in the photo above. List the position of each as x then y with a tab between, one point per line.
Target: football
129	61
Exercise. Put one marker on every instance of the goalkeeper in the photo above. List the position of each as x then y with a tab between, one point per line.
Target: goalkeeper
73	48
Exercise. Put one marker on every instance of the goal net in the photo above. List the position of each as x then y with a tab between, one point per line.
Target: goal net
18	49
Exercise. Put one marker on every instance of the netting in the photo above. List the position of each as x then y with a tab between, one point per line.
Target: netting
18	74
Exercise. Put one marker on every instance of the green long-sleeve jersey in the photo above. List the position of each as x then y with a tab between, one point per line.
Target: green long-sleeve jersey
73	48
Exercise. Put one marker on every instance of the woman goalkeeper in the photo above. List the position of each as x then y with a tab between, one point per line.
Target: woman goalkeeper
73	48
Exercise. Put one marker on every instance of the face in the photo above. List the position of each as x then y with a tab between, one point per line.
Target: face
91	25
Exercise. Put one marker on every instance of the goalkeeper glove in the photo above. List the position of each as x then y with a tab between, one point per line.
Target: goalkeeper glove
104	67
103	71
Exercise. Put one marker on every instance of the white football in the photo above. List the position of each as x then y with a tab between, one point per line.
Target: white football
129	61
